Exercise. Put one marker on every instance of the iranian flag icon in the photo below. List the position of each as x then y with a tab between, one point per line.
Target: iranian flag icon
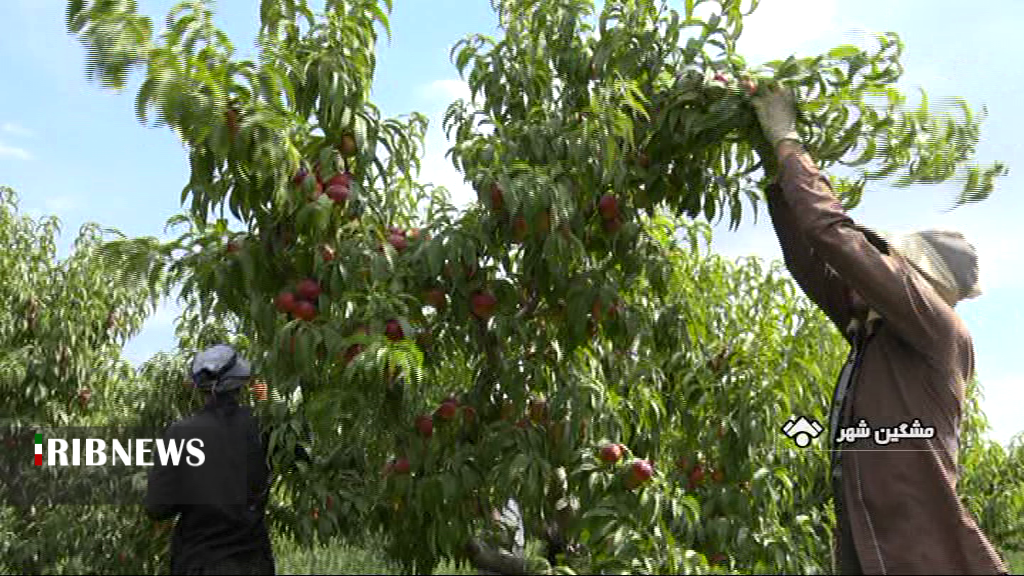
39	449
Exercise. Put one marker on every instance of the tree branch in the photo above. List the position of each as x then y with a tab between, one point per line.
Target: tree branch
531	305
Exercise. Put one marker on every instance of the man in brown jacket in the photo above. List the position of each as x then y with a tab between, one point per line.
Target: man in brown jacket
911	358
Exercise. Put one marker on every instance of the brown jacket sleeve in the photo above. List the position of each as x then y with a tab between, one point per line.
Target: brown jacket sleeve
822	286
889	285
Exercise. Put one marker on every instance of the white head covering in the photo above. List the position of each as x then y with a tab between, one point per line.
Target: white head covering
943	257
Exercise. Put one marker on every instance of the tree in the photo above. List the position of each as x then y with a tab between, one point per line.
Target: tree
62	326
566	324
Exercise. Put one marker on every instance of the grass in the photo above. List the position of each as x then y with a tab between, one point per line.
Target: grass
351	559
342	559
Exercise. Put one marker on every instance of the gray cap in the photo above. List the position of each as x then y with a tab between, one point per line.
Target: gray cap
943	257
219	369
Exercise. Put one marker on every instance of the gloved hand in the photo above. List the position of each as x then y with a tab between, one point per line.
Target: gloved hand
776	111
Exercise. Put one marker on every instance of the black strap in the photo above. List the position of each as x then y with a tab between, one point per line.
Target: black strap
844	388
228	366
839	396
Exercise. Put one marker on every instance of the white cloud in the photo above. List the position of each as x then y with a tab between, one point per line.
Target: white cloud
779	28
14	152
12	128
61	204
438	170
445	91
165	315
1000	402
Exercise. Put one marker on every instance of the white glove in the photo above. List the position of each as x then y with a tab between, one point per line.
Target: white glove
776	111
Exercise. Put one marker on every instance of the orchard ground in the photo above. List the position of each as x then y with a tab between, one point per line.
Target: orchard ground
347	559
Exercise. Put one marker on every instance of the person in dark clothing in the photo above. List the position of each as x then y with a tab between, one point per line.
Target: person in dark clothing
220	503
911	357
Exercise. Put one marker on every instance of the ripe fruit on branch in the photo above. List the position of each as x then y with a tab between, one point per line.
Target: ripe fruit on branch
341	179
309	290
611	453
543	223
339	194
447	411
285	302
595	310
483	304
401	465
519	229
538	410
393	330
639	472
347	146
696	476
305	310
398	241
300	176
231	117
351	352
497	197
425	426
609	207
436	298
328	253
642	470
556	432
750	85
612	226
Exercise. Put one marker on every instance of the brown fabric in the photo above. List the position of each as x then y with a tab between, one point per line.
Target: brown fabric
900	498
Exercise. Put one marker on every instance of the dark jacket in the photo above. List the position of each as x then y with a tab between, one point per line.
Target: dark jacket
900	499
222	501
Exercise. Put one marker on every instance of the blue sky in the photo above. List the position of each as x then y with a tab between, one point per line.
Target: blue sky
76	151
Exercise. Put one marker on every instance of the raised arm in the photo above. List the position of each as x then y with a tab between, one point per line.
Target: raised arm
821	285
888	284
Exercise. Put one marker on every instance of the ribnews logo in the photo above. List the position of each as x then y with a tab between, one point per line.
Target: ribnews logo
135	452
113	465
